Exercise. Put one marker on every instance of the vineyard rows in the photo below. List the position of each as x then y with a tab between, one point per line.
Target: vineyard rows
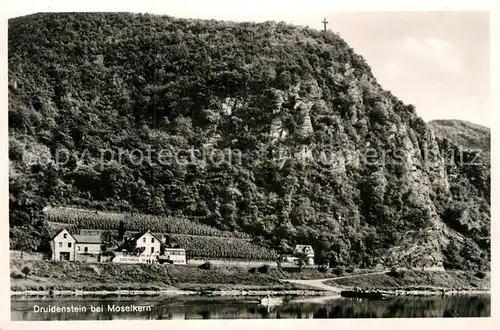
217	247
202	246
136	222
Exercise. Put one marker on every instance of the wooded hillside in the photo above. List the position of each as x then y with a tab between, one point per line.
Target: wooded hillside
297	106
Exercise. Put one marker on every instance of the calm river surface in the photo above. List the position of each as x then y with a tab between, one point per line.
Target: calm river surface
198	307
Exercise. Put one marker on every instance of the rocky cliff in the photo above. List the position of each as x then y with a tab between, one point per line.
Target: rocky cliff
319	152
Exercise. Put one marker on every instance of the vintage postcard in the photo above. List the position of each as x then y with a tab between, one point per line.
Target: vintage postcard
193	163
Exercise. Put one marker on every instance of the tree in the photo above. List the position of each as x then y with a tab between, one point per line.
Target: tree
24	240
301	260
323	260
107	240
168	240
26	270
121	231
453	259
139	250
284	247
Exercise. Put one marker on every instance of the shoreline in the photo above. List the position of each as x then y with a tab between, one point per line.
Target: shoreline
81	293
63	279
236	292
417	293
169	293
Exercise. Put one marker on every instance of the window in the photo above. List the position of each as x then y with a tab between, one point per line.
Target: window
78	247
152	239
152	249
144	240
65	235
60	244
85	249
69	244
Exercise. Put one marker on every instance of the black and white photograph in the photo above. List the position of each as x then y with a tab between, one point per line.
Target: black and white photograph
190	163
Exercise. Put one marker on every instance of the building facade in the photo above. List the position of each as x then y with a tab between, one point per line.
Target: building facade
176	255
147	246
149	242
63	246
66	246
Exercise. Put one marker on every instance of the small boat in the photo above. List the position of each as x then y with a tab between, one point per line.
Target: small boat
373	295
270	301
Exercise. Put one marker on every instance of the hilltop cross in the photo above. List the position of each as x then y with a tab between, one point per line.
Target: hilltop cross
324	23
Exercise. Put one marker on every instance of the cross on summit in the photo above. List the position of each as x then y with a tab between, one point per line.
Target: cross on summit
324	24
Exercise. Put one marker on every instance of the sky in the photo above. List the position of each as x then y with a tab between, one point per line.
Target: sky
439	61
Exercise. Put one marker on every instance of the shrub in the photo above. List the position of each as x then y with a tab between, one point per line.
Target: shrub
253	270
108	254
207	265
16	274
323	268
339	271
264	269
396	273
301	260
481	275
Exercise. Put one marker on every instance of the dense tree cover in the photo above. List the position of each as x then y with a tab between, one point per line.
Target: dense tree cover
298	104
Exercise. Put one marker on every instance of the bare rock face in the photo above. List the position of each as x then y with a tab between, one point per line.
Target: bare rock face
326	156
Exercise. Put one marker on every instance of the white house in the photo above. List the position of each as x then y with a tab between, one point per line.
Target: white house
176	255
87	244
307	249
63	246
66	246
149	242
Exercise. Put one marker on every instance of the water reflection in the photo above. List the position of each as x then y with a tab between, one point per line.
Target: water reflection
192	307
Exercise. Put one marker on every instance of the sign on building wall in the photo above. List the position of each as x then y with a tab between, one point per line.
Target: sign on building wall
134	259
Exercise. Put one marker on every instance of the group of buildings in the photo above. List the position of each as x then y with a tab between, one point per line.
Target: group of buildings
67	246
147	249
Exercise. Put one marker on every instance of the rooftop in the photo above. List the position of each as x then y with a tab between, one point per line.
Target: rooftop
87	239
304	248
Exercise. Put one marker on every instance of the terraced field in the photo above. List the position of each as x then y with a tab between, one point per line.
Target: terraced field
224	248
200	241
135	222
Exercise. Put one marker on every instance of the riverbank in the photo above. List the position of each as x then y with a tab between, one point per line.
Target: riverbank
167	293
105	279
112	277
416	282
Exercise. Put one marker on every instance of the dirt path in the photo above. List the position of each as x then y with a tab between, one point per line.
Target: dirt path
319	284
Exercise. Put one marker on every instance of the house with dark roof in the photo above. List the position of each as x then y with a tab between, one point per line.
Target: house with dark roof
66	246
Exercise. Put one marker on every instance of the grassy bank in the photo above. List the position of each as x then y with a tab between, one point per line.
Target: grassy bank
60	275
418	280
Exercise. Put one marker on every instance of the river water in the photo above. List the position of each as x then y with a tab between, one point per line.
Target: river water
201	307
